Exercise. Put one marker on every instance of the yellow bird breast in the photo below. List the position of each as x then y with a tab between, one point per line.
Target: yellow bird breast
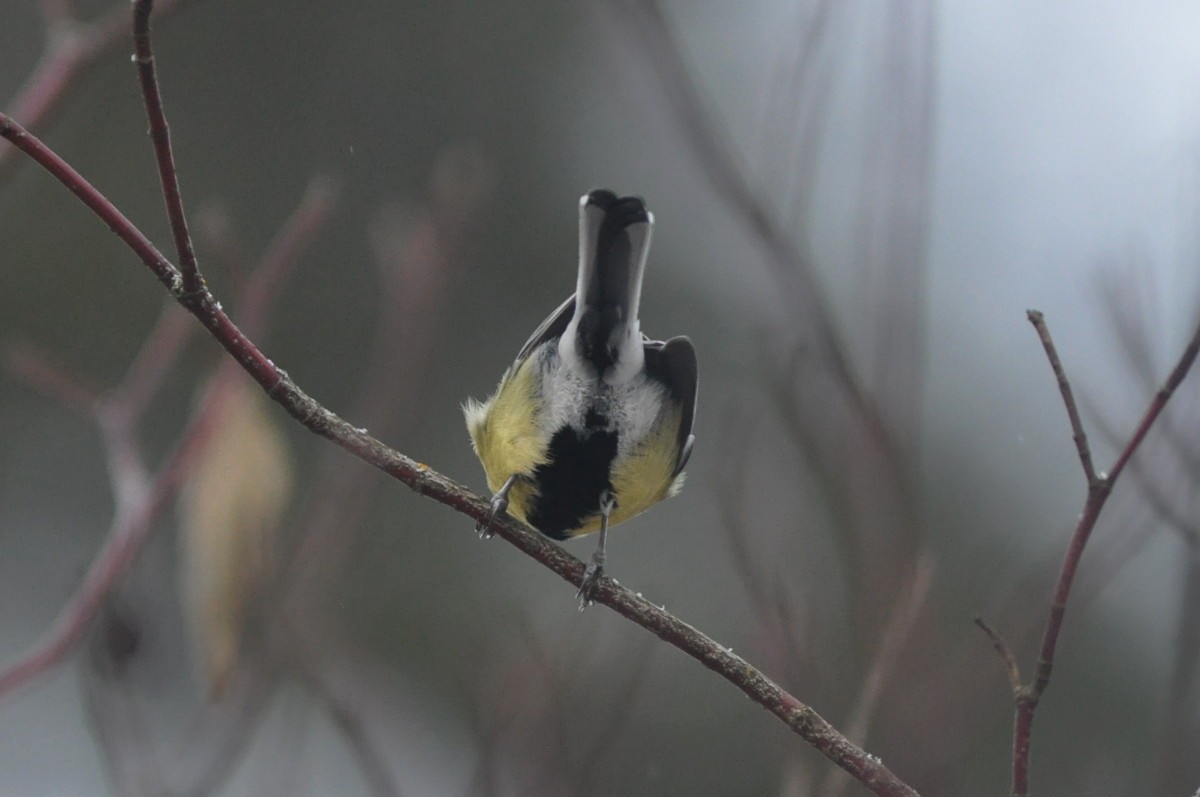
508	440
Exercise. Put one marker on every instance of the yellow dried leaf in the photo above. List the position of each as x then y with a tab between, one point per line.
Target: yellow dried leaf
231	508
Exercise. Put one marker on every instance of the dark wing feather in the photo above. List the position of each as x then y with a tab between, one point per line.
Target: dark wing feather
553	327
674	364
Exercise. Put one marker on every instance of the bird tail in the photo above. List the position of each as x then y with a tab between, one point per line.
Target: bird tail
614	239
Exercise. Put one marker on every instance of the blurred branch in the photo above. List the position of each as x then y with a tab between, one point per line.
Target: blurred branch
718	163
140	499
131	527
799	717
1099	489
348	715
71	47
1178	766
415	259
294	237
37	369
896	634
150	367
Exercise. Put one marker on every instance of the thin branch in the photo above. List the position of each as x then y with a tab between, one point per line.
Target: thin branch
799	717
1151	489
1098	492
1064	387
1159	402
160	134
1006	654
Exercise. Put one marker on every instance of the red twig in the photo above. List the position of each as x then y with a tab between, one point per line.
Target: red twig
1100	487
1064	387
160	134
799	717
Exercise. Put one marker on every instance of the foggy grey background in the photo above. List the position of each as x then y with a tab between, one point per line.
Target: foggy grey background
1064	146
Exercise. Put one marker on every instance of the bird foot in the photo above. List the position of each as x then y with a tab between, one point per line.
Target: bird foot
591	575
499	507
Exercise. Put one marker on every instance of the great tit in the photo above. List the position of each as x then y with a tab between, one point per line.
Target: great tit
592	424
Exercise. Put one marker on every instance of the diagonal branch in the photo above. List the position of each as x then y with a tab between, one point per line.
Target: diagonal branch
798	716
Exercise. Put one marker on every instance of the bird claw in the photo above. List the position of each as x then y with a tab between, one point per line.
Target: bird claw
499	507
591	576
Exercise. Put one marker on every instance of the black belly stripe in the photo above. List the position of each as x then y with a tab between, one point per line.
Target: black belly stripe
570	484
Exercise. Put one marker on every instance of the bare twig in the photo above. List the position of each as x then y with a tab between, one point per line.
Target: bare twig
799	717
1006	654
1064	387
160	134
1099	489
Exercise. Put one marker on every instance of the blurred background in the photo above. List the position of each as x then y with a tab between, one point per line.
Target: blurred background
856	202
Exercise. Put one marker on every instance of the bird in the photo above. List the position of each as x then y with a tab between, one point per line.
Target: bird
592	423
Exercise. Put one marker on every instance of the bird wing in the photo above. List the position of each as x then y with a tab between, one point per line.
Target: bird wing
553	327
673	363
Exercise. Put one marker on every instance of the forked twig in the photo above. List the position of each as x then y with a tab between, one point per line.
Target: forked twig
1100	487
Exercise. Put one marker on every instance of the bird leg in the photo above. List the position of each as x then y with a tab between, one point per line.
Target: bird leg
595	566
499	507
